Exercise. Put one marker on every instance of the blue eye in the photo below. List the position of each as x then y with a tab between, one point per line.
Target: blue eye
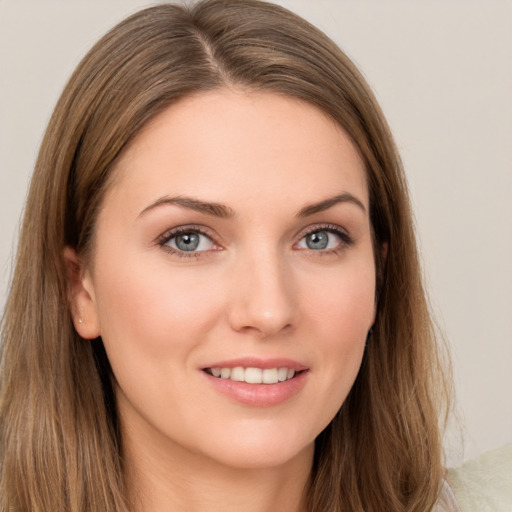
323	239
188	241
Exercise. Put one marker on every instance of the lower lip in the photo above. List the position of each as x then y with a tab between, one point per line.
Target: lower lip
259	395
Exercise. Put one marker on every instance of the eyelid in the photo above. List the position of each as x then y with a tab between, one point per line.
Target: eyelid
346	238
167	235
334	228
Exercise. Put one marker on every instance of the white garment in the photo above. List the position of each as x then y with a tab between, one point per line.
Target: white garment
447	501
480	485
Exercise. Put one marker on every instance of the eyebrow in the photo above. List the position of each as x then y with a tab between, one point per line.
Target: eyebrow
191	203
325	204
225	212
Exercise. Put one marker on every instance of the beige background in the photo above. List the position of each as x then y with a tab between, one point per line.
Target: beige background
443	73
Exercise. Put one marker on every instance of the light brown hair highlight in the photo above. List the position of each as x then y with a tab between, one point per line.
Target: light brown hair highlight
60	439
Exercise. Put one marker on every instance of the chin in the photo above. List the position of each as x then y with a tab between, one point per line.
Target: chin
260	448
253	459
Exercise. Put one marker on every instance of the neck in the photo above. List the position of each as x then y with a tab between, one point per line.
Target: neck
163	481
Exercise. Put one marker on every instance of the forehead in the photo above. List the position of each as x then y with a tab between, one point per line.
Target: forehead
231	146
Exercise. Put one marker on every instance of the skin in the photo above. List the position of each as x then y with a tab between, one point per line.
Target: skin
255	288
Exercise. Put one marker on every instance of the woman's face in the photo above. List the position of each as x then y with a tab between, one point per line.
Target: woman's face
235	241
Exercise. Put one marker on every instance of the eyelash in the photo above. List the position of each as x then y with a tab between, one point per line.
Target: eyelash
346	239
165	238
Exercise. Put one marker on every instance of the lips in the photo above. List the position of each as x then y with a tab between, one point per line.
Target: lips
256	382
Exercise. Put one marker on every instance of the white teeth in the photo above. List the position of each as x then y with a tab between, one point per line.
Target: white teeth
282	374
254	375
270	376
238	374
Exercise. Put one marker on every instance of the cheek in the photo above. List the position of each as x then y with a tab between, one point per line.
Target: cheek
150	310
340	315
342	302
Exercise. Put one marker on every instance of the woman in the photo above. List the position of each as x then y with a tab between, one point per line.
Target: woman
217	301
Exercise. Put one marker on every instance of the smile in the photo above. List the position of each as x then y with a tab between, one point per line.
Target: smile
252	375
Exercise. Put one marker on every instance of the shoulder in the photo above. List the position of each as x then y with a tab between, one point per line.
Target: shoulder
480	485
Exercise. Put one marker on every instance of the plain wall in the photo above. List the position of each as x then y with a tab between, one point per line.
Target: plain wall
442	71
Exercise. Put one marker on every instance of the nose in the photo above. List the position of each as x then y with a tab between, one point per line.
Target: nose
263	301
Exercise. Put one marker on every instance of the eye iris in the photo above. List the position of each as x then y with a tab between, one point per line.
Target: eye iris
317	240
187	241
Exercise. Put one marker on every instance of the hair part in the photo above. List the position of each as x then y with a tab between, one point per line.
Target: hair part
60	441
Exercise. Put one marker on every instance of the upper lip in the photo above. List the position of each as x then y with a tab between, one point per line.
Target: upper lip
256	362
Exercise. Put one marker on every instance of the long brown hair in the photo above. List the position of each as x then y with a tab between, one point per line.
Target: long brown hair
60	441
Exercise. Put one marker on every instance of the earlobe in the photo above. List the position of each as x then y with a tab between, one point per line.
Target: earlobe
81	296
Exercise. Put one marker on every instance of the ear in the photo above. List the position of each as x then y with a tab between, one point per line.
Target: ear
381	265
81	296
384	251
